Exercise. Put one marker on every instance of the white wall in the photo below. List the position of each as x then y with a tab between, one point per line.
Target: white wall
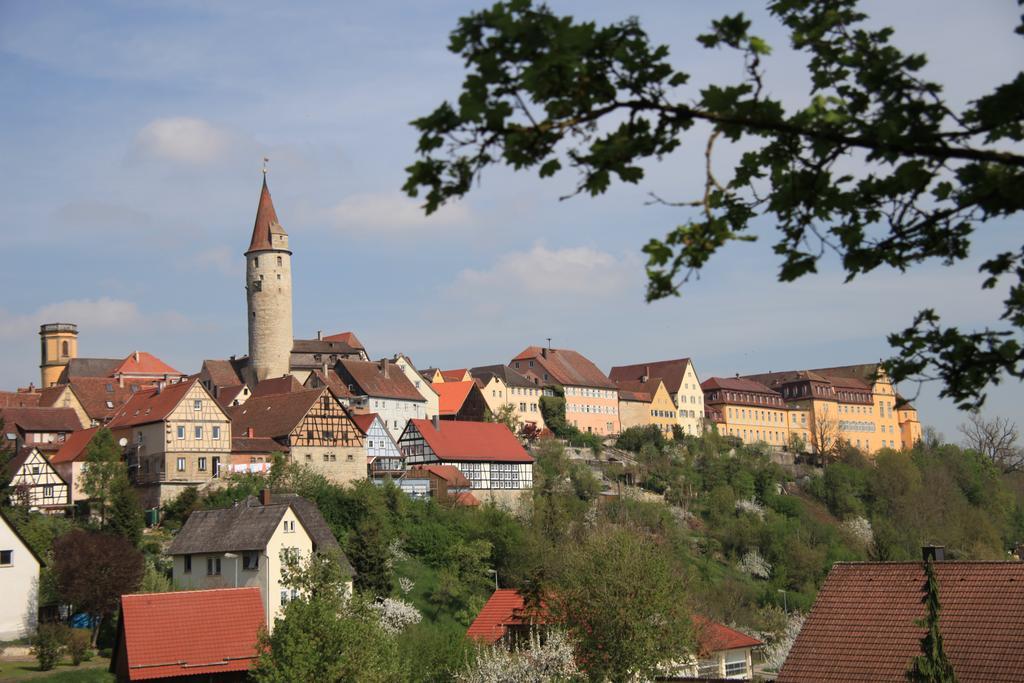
19	586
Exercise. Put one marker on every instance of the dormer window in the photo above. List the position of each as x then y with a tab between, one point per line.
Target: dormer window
110	388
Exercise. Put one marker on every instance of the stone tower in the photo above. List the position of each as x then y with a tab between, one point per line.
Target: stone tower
268	292
59	343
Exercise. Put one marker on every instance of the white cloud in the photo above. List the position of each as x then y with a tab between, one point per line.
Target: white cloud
103	314
393	213
183	140
220	259
558	272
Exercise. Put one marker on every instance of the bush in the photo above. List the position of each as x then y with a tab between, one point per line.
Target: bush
78	643
634	438
49	643
106	652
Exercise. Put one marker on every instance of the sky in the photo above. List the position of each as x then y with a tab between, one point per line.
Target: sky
131	148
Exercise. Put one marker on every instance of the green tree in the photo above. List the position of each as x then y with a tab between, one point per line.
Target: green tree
324	635
125	516
543	90
368	552
506	415
103	469
932	665
624	602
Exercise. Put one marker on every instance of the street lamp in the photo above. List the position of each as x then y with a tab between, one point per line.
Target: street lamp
785	604
495	572
237	559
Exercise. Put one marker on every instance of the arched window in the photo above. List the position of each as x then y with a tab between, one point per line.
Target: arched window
64	348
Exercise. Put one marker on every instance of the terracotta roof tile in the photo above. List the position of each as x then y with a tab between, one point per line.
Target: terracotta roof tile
41	419
669	371
286	384
636	390
862	626
101	397
318	378
74	446
151	405
272	416
222	634
450	473
349	338
453	375
142	363
364	421
266	222
451	395
19	399
466	499
715	637
368	378
504	608
476	441
566	367
224	373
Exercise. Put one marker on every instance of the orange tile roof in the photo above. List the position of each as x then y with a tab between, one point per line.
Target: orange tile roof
266	223
151	405
504	608
715	637
142	363
862	626
476	441
453	375
74	446
451	395
565	367
222	633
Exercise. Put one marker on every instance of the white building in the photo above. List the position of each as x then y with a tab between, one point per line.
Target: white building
383	389
19	577
382	454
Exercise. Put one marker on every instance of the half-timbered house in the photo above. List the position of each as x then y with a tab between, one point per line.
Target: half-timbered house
41	428
35	481
316	429
383	458
487	454
178	436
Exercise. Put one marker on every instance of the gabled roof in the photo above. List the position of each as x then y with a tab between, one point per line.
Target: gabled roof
272	416
453	375
669	371
88	367
74	446
451	395
509	376
566	367
318	378
364	421
19	399
94	393
142	363
226	395
14	530
472	441
311	518
862	626
256	444
347	338
152	405
286	384
636	390
736	384
266	223
224	373
41	419
506	607
450	473
715	637
368	378
242	527
22	456
222	632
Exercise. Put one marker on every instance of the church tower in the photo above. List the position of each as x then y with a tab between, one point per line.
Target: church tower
268	292
59	346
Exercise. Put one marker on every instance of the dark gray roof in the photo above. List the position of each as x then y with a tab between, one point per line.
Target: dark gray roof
242	527
90	367
504	372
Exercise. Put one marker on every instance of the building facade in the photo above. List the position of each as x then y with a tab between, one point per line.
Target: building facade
59	344
383	457
752	412
35	482
502	386
647	402
420	383
681	382
383	389
19	576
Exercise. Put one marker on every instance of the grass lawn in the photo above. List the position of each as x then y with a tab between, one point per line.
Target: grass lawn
94	671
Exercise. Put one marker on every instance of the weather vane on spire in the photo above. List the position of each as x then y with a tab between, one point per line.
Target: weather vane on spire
265	160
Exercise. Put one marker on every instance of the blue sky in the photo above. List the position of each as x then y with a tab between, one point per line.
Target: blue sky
131	148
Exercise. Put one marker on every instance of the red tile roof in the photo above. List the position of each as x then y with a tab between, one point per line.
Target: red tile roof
223	373
565	367
453	375
222	633
450	473
273	416
715	637
635	390
348	338
451	395
736	384
364	421
95	392
286	384
41	419
142	363
74	446
669	371
504	608
476	441
862	626
266	223
19	399
151	405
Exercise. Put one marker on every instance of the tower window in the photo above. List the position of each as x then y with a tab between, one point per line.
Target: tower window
257	286
256	261
64	347
280	261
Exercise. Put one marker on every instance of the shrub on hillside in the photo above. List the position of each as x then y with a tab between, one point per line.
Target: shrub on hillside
49	643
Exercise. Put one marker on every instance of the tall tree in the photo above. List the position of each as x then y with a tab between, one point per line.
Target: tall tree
103	469
93	570
624	603
996	439
126	517
543	90
506	415
368	552
932	665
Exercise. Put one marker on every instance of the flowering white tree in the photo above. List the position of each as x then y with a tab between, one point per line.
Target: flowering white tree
777	645
751	506
754	564
859	528
405	584
531	662
396	615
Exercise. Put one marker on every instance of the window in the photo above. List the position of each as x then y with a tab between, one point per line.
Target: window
188	564
250	561
181	431
280	261
110	404
256	261
735	663
202	464
48	491
289	526
328	435
181	468
199	431
197	404
708	668
216	432
213	566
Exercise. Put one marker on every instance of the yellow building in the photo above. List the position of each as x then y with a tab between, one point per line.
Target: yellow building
59	344
681	382
501	385
647	402
751	412
910	427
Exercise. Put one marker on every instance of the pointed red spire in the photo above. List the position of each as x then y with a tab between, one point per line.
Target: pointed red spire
266	223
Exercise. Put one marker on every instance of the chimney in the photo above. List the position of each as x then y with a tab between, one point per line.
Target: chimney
136	354
120	381
437	422
160	386
544	352
250	432
933	552
385	366
264	496
647	373
319	335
